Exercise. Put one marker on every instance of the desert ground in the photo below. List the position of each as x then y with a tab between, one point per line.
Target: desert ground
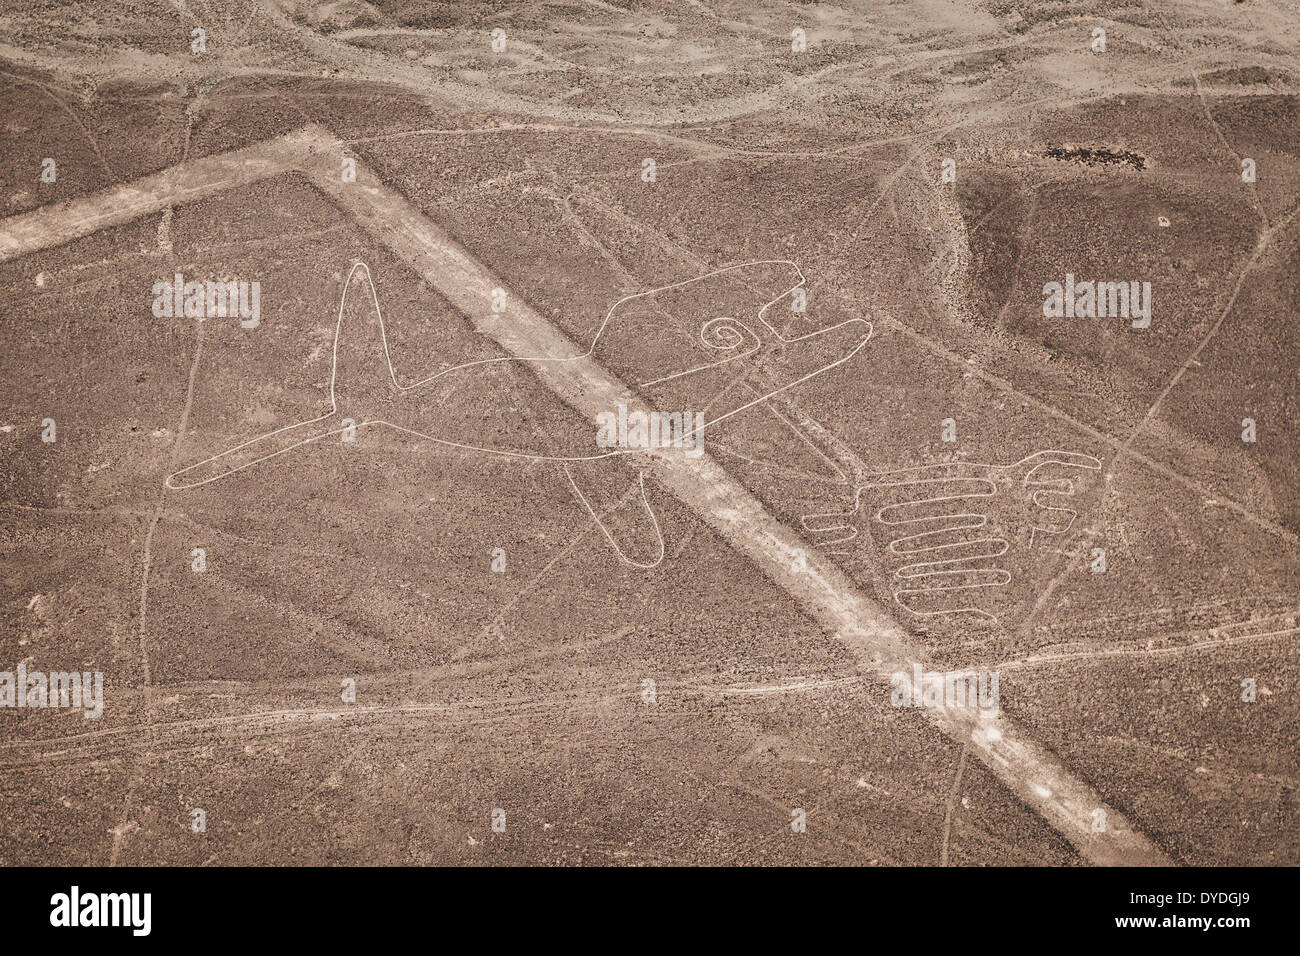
365	587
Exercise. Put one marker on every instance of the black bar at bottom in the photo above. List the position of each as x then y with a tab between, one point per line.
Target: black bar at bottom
1220	906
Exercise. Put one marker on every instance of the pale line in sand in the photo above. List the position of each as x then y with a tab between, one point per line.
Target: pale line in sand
1107	653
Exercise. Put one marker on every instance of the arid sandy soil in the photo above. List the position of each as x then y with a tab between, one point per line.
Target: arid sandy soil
363	585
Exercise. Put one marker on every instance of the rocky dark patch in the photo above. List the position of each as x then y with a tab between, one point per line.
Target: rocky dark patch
1097	156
